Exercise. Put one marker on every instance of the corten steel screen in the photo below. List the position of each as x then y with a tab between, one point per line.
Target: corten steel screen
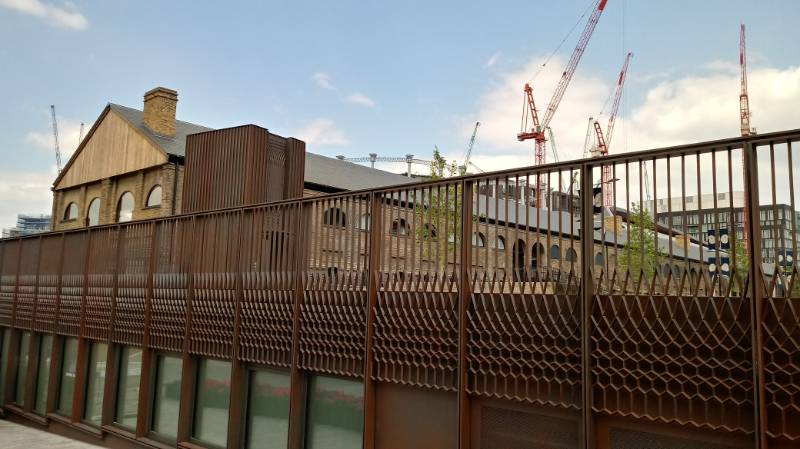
524	298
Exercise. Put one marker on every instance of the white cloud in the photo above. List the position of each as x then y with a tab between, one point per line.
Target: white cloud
24	192
66	17
68	133
493	59
676	110
360	99
323	80
322	132
499	110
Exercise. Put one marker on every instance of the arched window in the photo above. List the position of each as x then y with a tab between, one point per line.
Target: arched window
555	252
665	270
125	207
676	271
478	240
335	217
399	227
93	213
571	255
364	222
429	231
500	243
598	259
537	254
71	212
154	197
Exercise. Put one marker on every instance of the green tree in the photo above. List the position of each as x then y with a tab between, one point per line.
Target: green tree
439	210
641	256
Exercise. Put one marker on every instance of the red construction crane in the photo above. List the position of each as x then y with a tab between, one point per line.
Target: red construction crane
532	127
604	142
744	121
744	102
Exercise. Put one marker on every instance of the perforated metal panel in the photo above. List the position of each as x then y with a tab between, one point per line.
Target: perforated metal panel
633	439
514	429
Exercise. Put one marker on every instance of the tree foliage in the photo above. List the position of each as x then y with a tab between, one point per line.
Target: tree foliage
641	256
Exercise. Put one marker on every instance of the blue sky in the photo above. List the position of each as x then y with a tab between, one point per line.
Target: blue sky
354	77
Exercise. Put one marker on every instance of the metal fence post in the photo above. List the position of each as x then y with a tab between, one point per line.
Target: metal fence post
755	290
238	371
373	284
465	293
587	436
297	388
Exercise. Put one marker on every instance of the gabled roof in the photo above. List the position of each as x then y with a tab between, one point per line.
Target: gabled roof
321	171
171	145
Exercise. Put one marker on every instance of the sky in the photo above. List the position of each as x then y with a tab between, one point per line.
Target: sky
393	78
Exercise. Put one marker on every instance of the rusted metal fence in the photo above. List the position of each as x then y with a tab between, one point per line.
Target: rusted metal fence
548	320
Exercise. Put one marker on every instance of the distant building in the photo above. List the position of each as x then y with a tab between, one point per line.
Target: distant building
28	224
706	212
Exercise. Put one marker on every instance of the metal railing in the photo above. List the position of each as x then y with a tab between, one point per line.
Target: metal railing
469	285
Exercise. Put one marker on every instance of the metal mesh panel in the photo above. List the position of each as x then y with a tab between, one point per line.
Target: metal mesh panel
632	439
502	428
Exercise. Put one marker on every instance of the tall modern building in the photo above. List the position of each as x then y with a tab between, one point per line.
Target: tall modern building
28	224
700	214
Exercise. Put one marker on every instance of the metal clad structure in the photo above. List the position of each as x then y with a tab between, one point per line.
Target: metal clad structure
525	329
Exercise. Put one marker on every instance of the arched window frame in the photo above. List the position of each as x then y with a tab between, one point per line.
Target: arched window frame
334	217
119	216
154	196
500	243
478	240
399	227
571	255
71	212
92	203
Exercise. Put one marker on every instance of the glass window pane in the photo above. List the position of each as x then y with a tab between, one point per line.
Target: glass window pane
154	198
167	396
211	402
66	389
125	207
95	383
43	376
130	371
335	413
6	336
93	213
268	410
22	367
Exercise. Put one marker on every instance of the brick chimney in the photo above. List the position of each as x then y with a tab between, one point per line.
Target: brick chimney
159	110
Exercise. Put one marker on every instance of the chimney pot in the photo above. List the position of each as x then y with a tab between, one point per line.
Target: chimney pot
160	105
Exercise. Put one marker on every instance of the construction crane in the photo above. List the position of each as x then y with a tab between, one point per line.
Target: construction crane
55	137
744	119
603	142
373	158
531	126
462	169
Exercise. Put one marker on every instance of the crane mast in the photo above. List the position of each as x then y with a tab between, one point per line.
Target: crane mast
534	128
463	168
604	141
55	137
744	120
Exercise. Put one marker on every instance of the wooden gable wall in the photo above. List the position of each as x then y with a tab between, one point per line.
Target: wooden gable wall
113	148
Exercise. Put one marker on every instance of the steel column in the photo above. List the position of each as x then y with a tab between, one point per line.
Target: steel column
465	296
374	283
755	290
587	436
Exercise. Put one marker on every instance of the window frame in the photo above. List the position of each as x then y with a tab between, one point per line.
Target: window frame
119	352
71	207
147	204
306	409
92	202
87	370
37	378
250	371
150	415
193	403
118	211
60	384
